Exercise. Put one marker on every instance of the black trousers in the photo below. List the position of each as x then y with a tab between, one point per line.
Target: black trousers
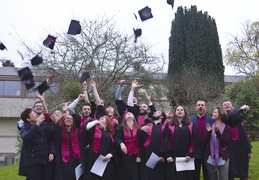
40	172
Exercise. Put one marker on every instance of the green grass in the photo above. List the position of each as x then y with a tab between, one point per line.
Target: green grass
11	172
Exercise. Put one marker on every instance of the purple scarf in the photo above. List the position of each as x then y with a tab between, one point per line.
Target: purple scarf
214	146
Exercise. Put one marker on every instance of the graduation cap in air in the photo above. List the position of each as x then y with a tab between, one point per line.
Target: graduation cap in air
74	27
145	13
171	2
50	42
44	85
84	77
137	33
25	74
36	60
29	83
2	46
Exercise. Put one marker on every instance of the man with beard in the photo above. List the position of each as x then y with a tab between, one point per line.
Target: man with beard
151	136
200	120
144	112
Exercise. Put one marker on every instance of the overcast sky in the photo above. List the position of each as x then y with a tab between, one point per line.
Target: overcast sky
33	20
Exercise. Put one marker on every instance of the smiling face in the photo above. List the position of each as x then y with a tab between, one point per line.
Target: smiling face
135	101
143	109
227	105
38	108
57	114
215	114
32	117
110	111
68	120
86	110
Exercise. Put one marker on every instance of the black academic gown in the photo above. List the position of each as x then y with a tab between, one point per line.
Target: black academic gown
66	171
240	148
158	173
182	141
107	146
129	169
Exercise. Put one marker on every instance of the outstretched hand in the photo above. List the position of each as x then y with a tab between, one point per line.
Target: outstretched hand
41	97
121	83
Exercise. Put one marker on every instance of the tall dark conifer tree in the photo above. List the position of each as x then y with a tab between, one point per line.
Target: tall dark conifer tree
196	69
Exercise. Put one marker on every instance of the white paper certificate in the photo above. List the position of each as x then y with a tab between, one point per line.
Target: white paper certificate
99	166
182	165
152	161
79	171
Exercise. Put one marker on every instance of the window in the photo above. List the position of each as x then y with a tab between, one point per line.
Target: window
54	87
10	88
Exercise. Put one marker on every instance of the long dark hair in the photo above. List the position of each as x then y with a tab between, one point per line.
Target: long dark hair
64	133
174	120
109	126
124	124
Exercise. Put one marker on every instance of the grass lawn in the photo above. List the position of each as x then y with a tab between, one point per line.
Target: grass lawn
10	172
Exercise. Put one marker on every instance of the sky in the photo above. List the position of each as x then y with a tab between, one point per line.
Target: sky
32	20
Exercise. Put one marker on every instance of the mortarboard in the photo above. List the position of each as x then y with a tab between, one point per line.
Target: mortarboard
171	2
29	83
145	13
137	33
2	46
84	77
74	27
25	74
50	42
36	60
42	87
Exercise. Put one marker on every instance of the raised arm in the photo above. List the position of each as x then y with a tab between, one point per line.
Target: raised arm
134	85
85	92
148	96
119	90
41	97
72	106
96	95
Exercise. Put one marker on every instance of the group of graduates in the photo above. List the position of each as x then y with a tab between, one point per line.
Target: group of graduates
54	145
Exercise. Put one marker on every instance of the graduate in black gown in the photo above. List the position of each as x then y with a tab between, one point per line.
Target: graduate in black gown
151	138
101	138
70	149
180	139
128	140
239	145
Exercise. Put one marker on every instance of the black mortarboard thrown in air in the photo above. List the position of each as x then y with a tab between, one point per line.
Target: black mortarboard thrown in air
171	2
145	13
74	28
25	74
2	46
29	83
43	87
50	42
84	77
137	33
36	60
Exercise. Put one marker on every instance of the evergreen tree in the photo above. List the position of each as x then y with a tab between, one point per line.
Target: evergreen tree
194	55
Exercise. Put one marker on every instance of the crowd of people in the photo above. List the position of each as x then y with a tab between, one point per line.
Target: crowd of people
128	135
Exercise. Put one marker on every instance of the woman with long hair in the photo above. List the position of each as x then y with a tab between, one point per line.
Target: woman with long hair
128	140
216	139
70	149
101	139
180	140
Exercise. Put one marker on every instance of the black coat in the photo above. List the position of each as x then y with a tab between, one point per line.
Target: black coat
36	143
